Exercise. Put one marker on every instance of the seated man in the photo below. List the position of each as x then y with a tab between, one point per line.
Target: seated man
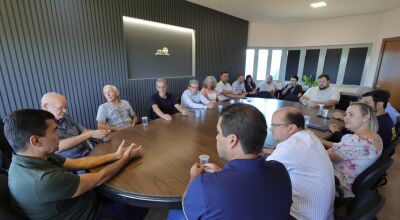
192	98
292	91
225	90
321	94
308	164
378	100
248	187
115	114
5	149
41	183
73	136
163	103
269	86
238	86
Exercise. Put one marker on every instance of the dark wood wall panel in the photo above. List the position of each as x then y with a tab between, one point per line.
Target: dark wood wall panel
76	47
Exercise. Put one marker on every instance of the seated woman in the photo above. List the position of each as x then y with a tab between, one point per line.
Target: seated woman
115	114
163	104
250	86
208	89
355	152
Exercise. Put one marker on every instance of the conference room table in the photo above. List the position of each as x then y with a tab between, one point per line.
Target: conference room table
158	176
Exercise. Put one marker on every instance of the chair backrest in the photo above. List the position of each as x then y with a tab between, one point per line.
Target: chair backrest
365	206
389	150
368	179
6	211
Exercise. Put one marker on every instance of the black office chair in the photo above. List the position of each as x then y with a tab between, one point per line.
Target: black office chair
6	211
390	150
387	153
369	178
365	206
264	94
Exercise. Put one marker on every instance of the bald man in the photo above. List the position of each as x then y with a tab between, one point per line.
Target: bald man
308	165
73	136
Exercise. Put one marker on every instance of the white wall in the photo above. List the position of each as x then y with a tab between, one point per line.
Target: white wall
358	29
389	27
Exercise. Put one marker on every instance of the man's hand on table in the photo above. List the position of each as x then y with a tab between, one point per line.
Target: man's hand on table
127	152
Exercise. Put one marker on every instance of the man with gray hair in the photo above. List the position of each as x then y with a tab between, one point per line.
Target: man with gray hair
163	103
73	136
115	114
192	98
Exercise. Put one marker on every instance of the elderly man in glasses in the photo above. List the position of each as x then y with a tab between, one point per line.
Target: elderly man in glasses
308	165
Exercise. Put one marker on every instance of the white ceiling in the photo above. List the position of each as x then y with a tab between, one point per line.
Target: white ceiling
295	10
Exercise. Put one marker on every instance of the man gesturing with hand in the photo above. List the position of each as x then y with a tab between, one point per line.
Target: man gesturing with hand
41	183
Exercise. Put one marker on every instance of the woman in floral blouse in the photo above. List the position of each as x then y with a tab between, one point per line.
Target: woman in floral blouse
355	152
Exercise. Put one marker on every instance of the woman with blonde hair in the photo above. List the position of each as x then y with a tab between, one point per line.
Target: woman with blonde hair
355	152
208	89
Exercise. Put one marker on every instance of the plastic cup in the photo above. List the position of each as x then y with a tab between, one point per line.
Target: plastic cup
325	113
145	120
307	120
321	108
203	159
220	107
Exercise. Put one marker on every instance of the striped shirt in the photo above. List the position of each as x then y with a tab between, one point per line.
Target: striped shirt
311	174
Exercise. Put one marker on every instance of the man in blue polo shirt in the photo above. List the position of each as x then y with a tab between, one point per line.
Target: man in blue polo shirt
247	187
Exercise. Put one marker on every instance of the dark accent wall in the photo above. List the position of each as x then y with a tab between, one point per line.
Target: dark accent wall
75	47
292	63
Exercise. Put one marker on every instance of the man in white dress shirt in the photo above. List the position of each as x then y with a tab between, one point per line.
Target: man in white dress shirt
225	90
308	165
269	85
321	94
192	98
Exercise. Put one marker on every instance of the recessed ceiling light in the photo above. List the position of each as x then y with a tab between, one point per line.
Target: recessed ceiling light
318	4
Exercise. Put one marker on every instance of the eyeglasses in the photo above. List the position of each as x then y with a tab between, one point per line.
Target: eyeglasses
273	125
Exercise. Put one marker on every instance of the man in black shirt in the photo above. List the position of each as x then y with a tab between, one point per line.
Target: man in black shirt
378	100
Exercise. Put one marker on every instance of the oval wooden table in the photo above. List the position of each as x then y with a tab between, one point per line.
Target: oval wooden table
158	177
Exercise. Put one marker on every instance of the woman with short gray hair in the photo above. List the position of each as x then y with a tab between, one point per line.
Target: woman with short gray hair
208	89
